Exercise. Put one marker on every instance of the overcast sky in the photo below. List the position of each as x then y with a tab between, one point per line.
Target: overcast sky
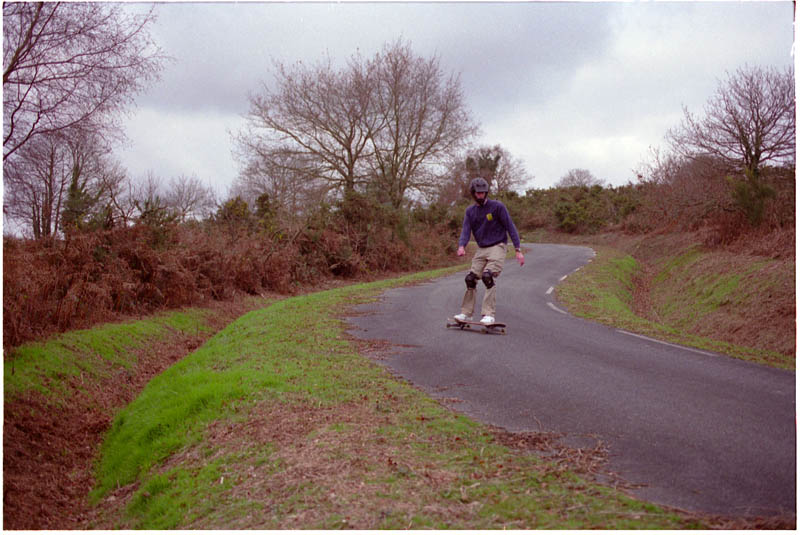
559	85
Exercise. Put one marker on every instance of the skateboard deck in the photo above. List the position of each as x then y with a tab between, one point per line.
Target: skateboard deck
497	328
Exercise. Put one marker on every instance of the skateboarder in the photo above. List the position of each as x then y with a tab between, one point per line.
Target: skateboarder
489	221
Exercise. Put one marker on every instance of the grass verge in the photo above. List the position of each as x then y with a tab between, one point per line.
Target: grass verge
603	291
277	422
47	367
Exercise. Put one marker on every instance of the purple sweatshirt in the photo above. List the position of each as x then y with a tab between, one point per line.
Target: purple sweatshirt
490	223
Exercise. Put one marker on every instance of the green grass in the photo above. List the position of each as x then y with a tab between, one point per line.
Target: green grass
701	294
277	422
294	346
258	355
679	263
601	291
47	367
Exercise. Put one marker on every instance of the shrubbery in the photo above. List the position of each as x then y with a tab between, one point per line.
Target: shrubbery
575	209
727	207
88	277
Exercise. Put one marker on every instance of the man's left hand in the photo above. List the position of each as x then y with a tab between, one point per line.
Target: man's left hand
520	258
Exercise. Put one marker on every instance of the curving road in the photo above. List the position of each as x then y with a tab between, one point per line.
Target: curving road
702	431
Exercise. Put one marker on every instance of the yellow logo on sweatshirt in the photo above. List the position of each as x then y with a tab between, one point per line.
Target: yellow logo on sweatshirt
488	217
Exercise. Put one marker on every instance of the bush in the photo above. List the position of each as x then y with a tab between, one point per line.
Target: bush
91	277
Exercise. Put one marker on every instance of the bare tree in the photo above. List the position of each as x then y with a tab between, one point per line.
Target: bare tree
498	166
511	174
119	195
148	197
682	191
749	121
423	119
579	178
69	65
189	198
35	187
64	174
85	205
149	188
316	119
280	175
383	125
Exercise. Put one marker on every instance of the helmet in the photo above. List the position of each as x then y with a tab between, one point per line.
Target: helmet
478	185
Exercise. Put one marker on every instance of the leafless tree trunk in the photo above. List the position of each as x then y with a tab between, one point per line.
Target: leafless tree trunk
68	72
70	64
749	123
497	165
114	183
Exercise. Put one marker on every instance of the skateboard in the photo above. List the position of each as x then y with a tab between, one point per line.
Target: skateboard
494	328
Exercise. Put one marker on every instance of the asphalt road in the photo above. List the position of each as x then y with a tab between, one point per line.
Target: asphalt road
702	431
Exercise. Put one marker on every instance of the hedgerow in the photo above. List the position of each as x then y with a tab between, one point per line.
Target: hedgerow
88	277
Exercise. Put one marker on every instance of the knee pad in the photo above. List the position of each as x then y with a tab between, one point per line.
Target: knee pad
472	280
488	279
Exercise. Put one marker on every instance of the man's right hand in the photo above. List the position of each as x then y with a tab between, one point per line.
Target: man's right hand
461	251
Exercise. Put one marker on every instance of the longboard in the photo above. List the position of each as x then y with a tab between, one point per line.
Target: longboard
495	328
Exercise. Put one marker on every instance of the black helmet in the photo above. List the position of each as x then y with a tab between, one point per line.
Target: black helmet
478	185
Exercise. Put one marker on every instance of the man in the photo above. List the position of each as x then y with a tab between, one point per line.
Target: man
489	221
